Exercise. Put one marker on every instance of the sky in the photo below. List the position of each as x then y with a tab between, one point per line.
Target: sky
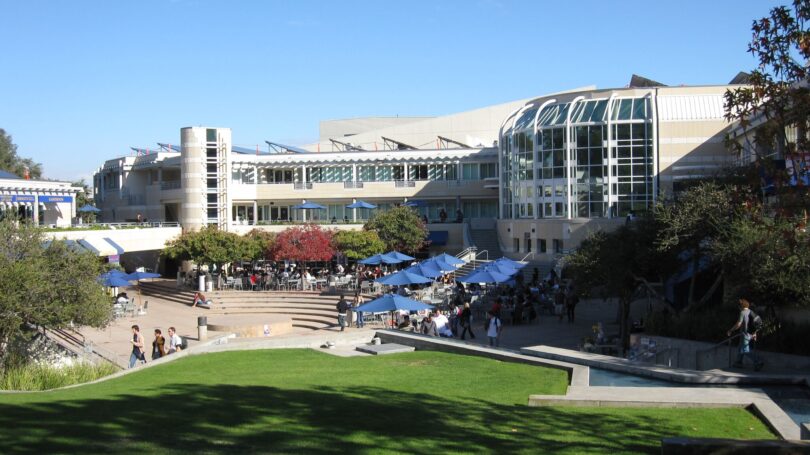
82	81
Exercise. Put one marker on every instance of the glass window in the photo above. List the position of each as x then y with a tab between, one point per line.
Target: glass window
640	108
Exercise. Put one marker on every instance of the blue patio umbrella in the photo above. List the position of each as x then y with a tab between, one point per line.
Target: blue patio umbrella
361	205
392	302
87	208
398	255
452	260
113	273
512	262
309	206
500	267
415	204
484	276
138	276
440	264
403	277
114	281
425	269
379	259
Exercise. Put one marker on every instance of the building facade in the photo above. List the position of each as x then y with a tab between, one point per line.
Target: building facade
580	161
44	202
549	170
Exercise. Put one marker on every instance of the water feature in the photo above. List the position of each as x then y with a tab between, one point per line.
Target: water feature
793	399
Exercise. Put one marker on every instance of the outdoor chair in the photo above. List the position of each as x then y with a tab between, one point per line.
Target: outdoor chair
129	307
142	311
237	283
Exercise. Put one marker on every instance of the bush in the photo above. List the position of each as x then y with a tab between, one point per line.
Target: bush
710	325
33	376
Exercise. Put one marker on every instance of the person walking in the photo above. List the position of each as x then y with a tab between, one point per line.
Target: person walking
493	327
175	343
137	347
158	345
466	321
342	307
748	335
358	300
571	301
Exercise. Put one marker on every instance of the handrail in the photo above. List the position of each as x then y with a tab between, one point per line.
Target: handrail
724	343
527	255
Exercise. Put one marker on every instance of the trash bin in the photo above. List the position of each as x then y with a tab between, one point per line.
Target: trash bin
201	282
202	321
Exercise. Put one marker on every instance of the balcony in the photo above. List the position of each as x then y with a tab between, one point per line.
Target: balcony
404	184
170	185
491	183
302	186
352	185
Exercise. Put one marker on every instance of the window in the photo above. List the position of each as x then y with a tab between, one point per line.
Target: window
557	244
541	245
488	170
418	172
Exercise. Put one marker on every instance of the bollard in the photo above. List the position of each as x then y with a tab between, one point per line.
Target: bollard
202	328
201	283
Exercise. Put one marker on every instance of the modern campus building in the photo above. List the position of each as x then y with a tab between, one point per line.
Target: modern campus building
542	173
45	202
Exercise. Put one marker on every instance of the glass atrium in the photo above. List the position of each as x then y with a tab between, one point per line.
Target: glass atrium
598	151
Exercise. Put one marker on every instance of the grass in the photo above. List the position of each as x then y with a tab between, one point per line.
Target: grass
293	401
32	376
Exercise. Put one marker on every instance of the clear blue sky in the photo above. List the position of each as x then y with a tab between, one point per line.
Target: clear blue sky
81	81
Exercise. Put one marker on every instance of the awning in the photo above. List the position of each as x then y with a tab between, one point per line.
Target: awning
99	246
438	238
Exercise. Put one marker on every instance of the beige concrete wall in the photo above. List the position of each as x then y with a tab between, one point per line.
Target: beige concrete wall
570	232
192	177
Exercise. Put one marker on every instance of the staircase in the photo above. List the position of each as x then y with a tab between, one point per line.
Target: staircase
543	267
308	310
486	239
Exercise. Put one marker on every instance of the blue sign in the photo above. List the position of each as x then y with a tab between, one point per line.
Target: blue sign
56	199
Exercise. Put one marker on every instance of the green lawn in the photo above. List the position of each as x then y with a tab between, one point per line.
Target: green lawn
294	401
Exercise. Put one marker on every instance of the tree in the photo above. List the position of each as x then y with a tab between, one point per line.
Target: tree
259	243
303	243
11	162
778	88
82	199
400	229
358	244
52	286
619	264
209	247
690	226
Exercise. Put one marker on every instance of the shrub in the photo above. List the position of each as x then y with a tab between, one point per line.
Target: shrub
33	376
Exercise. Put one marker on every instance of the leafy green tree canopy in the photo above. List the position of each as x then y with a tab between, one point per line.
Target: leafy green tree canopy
400	229
51	285
259	244
358	244
11	162
210	247
777	87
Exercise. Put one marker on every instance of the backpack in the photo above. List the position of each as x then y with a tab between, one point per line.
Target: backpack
753	324
183	343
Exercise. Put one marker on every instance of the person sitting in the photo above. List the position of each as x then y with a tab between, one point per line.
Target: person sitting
122	298
345	219
442	325
429	326
199	298
334	220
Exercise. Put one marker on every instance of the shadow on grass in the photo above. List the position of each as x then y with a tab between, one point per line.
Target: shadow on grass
256	419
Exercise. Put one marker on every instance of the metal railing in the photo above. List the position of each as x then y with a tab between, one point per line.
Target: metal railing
404	183
350	185
123	225
703	356
302	186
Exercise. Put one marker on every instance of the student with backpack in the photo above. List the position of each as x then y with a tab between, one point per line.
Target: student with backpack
749	323
493	327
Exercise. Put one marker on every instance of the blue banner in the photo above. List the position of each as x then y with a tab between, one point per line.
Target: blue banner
56	199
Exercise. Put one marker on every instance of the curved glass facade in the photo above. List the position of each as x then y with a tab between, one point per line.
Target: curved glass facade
586	158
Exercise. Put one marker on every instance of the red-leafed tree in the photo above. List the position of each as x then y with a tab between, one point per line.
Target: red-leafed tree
303	243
